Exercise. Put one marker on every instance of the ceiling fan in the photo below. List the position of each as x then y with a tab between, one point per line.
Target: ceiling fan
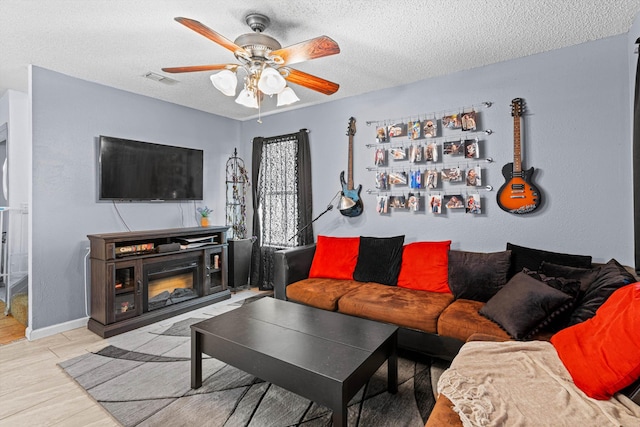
265	62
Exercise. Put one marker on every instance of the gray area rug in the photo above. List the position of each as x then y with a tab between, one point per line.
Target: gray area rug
143	379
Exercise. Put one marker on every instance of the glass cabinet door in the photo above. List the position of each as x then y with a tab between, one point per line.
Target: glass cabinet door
126	291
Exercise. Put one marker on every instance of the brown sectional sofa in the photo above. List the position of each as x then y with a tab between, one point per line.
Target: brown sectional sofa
434	323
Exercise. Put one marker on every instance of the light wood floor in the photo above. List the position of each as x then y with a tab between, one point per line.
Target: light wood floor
10	329
34	391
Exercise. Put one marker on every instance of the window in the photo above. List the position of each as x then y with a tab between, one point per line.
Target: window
281	179
278	206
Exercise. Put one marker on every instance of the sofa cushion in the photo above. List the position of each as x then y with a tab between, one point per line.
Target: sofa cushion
530	258
586	276
320	293
335	257
601	354
461	320
611	276
425	266
526	304
408	308
478	276
379	260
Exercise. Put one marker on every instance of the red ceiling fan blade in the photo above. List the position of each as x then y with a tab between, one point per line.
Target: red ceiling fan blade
310	49
311	82
193	68
210	34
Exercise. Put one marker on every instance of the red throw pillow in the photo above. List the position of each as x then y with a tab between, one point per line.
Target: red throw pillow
335	257
425	266
602	354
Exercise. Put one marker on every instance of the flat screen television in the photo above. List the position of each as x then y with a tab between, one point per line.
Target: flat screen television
143	171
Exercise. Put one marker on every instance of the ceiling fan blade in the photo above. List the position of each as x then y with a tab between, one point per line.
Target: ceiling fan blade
311	82
304	51
210	34
193	68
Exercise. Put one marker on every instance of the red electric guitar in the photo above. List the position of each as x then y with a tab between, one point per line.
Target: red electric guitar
518	195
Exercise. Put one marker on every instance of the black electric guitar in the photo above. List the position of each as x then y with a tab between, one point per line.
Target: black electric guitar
518	195
350	203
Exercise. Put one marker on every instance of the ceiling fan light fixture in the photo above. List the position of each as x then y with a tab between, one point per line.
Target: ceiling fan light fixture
248	99
271	81
225	81
287	97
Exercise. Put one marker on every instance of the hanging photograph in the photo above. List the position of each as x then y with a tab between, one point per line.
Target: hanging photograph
413	202
380	158
454	201
398	153
473	204
451	175
415	153
453	148
451	122
430	128
471	148
397	129
398	202
469	121
415	130
398	178
381	181
435	204
415	179
381	134
474	177
431	152
382	205
432	179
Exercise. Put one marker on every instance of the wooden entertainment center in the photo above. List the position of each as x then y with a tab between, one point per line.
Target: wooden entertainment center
138	278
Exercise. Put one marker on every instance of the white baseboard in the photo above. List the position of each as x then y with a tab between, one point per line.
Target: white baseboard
32	334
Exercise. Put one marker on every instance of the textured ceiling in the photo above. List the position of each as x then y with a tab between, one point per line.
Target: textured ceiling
383	43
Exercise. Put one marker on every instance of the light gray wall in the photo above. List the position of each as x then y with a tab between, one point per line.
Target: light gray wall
576	135
68	116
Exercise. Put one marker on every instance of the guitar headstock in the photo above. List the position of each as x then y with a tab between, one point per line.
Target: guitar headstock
351	129
517	107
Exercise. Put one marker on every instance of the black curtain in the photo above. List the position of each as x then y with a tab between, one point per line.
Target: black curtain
262	256
636	166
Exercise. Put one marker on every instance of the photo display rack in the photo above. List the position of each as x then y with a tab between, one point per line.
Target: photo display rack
430	162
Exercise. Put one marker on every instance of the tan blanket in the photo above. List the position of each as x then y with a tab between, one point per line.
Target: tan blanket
525	384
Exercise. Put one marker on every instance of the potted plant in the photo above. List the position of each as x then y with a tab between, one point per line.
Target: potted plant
204	215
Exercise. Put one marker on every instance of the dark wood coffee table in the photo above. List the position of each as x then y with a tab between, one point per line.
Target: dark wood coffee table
323	356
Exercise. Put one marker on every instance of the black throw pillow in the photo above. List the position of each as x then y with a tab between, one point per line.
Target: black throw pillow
611	276
586	276
379	260
526	305
478	276
530	258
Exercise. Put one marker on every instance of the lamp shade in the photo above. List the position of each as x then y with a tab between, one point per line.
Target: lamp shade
345	203
286	97
271	82
225	81
247	98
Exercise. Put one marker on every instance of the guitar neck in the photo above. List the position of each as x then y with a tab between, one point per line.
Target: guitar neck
517	146
350	166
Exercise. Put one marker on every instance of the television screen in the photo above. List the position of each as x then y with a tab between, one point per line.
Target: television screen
134	170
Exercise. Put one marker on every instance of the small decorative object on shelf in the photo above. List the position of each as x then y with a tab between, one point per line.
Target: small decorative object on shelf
204	215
